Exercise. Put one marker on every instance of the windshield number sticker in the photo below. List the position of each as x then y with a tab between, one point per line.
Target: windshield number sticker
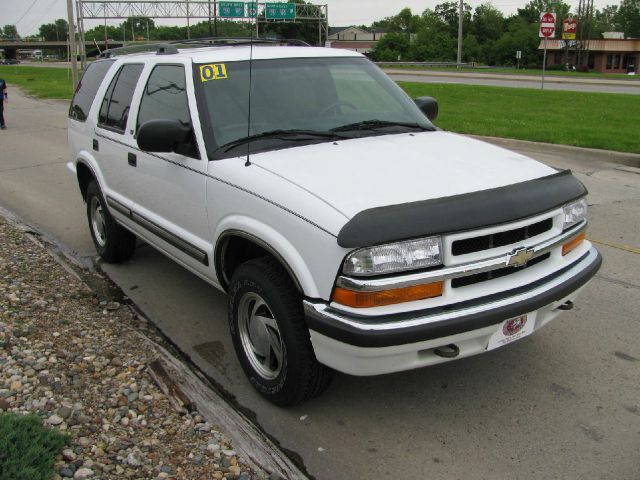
213	71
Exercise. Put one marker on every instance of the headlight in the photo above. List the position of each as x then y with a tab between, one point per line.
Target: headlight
574	213
395	257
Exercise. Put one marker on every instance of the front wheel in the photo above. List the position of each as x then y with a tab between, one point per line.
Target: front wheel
270	336
113	242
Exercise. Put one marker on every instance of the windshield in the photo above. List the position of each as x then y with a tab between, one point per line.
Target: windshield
299	100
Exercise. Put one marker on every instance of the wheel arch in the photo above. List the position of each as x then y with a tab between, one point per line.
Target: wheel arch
85	174
235	247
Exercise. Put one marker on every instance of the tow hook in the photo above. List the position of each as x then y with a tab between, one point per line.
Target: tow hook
568	305
447	351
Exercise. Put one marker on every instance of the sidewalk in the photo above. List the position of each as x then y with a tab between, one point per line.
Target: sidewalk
91	367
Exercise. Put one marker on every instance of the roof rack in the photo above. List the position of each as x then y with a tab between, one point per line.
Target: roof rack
171	48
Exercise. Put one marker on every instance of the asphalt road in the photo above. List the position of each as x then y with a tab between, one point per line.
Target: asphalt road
562	404
500	80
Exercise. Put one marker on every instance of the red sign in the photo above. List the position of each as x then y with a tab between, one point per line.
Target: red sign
569	29
547	24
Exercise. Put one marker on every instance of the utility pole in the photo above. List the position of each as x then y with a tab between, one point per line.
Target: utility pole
460	18
72	44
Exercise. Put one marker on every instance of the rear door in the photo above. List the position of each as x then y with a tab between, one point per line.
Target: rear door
111	139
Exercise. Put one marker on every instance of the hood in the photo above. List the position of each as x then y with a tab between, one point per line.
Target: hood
359	174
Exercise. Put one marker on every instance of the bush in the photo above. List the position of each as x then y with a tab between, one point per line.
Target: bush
557	66
27	448
582	68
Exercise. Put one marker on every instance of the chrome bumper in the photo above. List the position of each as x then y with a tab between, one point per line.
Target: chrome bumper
411	327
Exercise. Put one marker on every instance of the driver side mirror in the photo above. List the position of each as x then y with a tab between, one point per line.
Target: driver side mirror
163	135
428	106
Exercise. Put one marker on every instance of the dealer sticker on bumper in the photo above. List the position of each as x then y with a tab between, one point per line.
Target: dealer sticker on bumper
512	330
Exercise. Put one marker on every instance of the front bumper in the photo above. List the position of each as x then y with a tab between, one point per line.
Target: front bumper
362	345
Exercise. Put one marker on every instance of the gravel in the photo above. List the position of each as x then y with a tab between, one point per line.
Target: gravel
75	360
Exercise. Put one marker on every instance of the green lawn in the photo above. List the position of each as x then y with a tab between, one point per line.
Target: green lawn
27	448
41	82
513	71
584	119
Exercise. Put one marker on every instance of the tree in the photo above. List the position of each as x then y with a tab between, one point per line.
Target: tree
54	31
391	47
604	20
487	23
627	18
10	32
449	13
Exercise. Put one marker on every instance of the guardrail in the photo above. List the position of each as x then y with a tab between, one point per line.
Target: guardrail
431	64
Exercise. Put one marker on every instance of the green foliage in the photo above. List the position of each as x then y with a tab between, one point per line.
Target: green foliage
27	448
10	32
57	30
627	18
584	119
40	82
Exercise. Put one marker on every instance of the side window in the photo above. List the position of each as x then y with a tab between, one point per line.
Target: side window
116	103
165	97
87	89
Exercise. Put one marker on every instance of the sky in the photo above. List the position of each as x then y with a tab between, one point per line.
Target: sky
29	14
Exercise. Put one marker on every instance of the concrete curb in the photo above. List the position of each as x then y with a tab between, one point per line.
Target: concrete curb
515	78
590	155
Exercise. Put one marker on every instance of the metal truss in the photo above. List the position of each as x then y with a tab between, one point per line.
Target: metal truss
123	9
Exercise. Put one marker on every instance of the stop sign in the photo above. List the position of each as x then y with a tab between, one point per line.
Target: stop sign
547	24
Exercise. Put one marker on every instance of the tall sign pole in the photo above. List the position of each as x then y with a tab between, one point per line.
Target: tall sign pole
547	29
460	18
72	44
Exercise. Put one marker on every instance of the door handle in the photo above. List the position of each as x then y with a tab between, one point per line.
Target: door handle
131	158
96	147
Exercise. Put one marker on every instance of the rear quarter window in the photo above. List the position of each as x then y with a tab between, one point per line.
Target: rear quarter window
87	89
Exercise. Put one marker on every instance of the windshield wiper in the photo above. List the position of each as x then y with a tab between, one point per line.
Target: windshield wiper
280	134
374	124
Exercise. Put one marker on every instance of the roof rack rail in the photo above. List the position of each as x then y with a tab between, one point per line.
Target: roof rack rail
171	48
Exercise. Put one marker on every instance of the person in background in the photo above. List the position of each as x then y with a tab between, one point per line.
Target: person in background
3	97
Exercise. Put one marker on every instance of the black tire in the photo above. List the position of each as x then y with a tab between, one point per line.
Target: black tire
301	377
114	243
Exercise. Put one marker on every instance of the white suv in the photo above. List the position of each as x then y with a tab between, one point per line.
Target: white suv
349	232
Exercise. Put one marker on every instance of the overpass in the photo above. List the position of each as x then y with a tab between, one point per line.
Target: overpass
11	47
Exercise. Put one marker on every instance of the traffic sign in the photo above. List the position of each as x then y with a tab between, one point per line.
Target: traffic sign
280	11
569	29
231	9
252	9
547	25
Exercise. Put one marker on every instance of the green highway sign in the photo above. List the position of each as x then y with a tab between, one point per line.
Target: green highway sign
280	11
252	9
231	9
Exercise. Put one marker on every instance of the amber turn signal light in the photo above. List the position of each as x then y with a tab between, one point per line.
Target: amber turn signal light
386	297
573	243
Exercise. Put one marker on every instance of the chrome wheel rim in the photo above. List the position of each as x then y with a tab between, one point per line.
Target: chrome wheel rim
98	222
260	336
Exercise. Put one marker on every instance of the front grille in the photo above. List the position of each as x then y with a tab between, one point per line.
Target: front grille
500	239
501	272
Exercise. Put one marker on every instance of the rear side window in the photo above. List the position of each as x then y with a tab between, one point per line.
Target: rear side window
87	89
116	103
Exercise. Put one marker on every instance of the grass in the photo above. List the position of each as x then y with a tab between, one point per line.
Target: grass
513	71
584	119
27	448
39	81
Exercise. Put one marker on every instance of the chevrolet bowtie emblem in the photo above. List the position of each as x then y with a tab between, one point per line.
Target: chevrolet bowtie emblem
519	257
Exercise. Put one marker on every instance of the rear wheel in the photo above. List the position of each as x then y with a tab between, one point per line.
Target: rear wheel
113	242
270	336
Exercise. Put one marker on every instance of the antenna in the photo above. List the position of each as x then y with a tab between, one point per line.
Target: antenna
248	162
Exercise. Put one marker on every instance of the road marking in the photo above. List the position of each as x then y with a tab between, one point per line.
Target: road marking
619	246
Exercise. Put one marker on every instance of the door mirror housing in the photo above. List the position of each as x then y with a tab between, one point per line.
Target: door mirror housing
428	106
163	135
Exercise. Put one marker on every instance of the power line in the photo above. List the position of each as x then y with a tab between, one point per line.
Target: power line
27	11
